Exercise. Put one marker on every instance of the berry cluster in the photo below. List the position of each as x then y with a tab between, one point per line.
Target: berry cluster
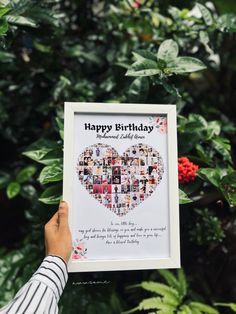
187	170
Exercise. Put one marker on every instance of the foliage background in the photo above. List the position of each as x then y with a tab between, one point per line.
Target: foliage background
52	51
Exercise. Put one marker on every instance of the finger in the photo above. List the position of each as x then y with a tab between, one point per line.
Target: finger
63	215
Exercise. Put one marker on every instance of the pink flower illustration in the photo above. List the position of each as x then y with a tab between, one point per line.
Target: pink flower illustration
160	122
79	250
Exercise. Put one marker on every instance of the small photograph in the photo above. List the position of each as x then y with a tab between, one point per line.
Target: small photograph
134	152
107	200
81	163
124	161
98	197
116	161
134	188
97	162
116	170
129	161
97	179
135	180
142	161
88	170
80	170
81	177
125	189
152	180
106	179
107	161
108	152
135	200
125	179
107	170
124	170
152	170
88	178
141	196
142	189
116	199
106	189
134	162
143	170
143	180
151	188
150	151
116	188
116	180
152	161
97	189
114	153
134	170
97	170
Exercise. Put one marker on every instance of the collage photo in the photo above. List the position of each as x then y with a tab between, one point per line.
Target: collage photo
120	183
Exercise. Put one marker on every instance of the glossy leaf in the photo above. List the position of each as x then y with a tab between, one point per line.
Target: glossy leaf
206	14
183	65
183	198
13	189
25	174
168	50
51	195
51	173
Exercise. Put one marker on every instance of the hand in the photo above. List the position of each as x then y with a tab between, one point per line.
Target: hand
57	233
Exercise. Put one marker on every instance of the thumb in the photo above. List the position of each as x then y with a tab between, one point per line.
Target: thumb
63	215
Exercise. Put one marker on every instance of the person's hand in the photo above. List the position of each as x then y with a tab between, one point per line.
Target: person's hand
58	239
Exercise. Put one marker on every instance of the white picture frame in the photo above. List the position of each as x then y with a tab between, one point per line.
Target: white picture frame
76	110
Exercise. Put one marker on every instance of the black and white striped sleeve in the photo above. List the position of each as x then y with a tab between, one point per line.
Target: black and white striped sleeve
42	292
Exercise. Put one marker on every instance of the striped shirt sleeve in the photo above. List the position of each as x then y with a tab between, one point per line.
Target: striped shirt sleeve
42	292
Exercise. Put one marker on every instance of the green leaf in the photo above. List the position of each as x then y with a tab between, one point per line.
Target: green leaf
183	198
141	55
25	174
21	20
212	175
203	308
155	303
232	306
4	179
228	187
6	57
39	149
3	26
185	309
227	23
170	278
206	14
222	145
161	289
185	65
3	10
51	173
60	124
168	50
143	68
13	189
138	90
213	128
182	282
51	195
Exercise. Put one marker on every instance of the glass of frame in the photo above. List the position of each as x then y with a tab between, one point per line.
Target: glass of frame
121	183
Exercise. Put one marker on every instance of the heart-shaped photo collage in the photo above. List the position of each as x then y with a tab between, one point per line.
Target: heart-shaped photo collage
120	183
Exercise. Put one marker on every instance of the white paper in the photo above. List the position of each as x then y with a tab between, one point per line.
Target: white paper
98	232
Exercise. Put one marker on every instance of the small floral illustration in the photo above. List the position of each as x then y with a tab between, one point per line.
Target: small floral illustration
79	250
160	122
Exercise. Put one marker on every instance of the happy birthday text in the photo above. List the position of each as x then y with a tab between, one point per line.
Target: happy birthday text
118	127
